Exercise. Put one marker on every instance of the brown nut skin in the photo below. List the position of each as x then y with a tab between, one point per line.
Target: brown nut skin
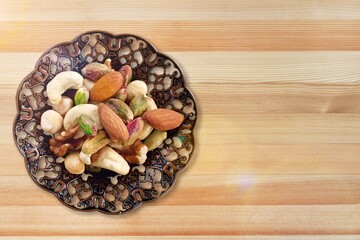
127	73
120	108
64	142
94	71
135	153
106	87
113	124
163	119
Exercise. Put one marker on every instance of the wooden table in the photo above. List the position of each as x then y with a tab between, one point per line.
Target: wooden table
278	89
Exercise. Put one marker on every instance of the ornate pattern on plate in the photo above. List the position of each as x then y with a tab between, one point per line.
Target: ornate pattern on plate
105	191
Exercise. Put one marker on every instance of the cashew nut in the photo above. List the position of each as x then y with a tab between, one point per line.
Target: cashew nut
64	106
51	121
73	163
109	159
62	82
86	158
71	117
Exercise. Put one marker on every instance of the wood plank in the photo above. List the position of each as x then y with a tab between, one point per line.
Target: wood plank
193	220
317	67
263	237
260	144
247	159
220	189
179	10
277	144
279	129
213	35
247	82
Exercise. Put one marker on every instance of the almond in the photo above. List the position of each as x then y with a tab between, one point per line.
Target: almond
113	124
106	86
163	119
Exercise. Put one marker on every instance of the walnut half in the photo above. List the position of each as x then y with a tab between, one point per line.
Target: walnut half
133	154
64	142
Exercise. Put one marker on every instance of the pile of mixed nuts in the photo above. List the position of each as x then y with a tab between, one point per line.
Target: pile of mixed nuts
110	123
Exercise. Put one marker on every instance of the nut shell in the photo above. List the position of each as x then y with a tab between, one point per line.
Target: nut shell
127	73
163	119
113	124
94	71
106	86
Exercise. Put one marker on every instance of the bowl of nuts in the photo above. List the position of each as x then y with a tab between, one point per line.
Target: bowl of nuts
105	122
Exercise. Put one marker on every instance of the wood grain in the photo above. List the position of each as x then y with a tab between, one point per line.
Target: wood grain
277	150
245	189
179	10
235	219
325	82
210	35
203	237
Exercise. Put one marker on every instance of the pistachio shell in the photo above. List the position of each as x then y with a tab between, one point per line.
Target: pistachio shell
135	128
155	139
121	94
147	129
138	105
87	125
92	145
94	71
151	105
127	73
121	109
135	88
81	96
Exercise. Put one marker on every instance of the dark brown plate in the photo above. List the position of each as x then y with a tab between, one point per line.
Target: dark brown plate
105	191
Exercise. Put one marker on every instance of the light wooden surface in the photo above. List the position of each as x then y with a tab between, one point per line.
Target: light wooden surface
278	141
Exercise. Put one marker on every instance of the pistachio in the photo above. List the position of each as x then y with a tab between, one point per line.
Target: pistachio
135	128
94	71
81	96
92	145
138	105
127	73
121	109
155	139
87	125
121	94
135	88
79	133
151	105
147	129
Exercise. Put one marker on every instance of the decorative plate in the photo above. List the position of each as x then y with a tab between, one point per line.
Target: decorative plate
105	191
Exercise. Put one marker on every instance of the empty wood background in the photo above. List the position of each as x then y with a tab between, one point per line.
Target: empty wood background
277	84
